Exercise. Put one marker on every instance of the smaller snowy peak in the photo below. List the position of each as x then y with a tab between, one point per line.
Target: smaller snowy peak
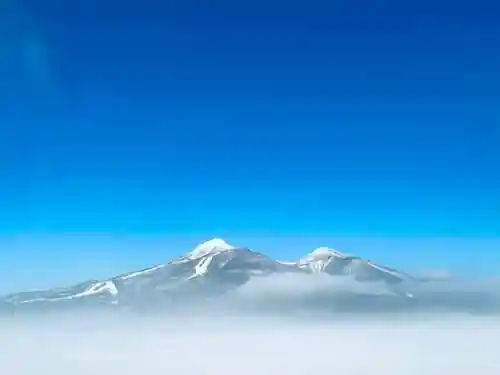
324	253
215	245
320	258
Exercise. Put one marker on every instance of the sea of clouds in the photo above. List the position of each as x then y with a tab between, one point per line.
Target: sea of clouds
197	344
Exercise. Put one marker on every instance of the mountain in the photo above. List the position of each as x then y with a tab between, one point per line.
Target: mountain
211	269
216	274
333	262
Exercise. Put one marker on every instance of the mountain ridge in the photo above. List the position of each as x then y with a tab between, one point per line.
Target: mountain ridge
213	267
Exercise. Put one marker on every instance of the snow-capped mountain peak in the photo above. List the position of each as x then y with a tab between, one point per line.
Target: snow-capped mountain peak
329	251
321	258
323	253
213	246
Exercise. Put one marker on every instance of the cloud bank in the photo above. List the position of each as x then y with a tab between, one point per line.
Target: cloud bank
457	345
295	295
295	292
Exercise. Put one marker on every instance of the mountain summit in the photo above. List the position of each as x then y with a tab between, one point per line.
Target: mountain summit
213	246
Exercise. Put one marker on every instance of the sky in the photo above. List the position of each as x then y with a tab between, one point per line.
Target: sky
131	131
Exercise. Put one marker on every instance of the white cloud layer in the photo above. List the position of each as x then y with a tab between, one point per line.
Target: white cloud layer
442	345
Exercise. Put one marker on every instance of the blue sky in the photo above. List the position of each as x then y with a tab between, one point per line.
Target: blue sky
127	123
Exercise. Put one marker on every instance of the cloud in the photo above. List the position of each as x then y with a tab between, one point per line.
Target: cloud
296	294
324	293
444	345
291	284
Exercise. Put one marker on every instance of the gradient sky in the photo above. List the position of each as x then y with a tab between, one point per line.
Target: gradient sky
131	130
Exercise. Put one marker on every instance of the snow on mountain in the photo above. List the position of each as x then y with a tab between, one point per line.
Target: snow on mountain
320	259
325	252
213	246
99	290
95	289
142	272
203	254
211	268
333	262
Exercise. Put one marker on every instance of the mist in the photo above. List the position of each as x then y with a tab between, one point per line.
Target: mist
192	344
325	294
